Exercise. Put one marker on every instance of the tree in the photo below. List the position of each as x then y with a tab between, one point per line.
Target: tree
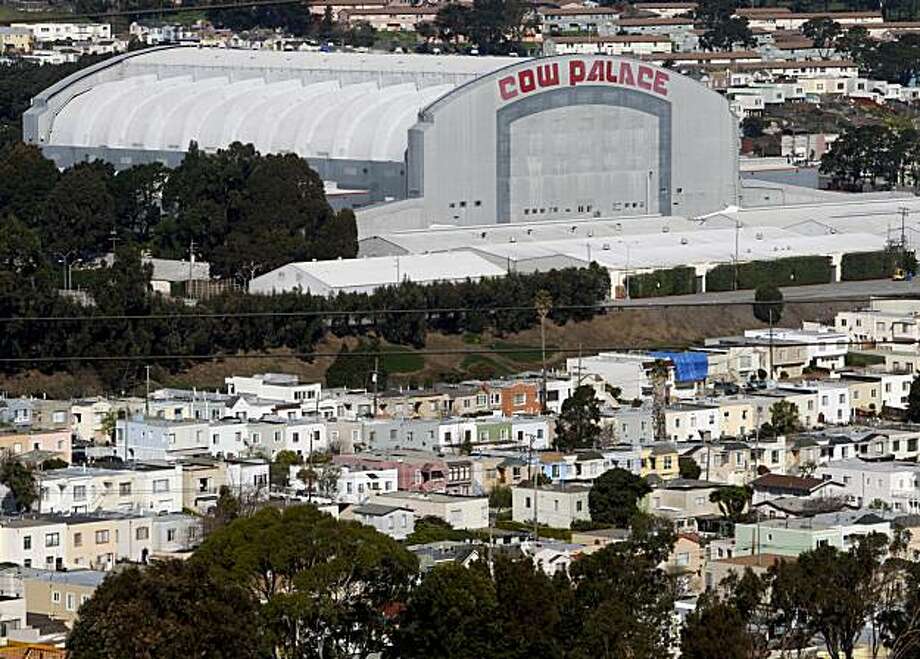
323	583
227	509
733	620
768	304
659	373
452	614
784	418
138	193
21	481
430	529
280	469
577	424
732	501
623	601
689	468
170	609
500	498
913	401
53	463
715	629
615	495
824	32
833	593
728	34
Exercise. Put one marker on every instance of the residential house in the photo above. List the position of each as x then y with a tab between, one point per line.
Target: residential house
791	537
682	501
460	512
660	460
893	485
556	506
57	443
775	486
690	422
142	488
394	521
717	571
275	386
56	595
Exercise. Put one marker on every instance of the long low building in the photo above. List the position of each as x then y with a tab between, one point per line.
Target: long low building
327	278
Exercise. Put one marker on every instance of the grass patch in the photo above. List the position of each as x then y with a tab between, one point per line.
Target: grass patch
483	366
521	354
471	339
401	360
859	359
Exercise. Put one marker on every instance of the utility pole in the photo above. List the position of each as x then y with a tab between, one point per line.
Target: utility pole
533	478
770	312
374	379
543	303
903	210
147	396
737	251
191	263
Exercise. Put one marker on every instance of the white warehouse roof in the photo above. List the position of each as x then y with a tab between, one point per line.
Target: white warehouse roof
366	275
325	105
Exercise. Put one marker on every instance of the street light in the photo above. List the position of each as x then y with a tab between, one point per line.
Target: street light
64	258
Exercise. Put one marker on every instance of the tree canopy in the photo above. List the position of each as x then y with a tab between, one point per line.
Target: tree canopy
615	496
170	609
577	426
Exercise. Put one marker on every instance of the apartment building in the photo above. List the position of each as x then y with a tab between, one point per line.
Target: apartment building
282	387
458	511
896	485
142	488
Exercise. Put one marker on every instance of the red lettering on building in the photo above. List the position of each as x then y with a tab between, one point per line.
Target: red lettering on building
611	72
527	81
626	75
548	75
646	75
660	86
596	74
576	72
602	70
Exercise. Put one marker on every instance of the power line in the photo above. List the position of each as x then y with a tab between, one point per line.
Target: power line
612	305
52	18
442	352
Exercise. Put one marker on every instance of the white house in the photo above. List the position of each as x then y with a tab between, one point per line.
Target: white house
460	512
275	386
146	488
394	521
33	542
894	484
557	506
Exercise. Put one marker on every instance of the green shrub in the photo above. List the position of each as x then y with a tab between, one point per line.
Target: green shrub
673	281
790	271
875	265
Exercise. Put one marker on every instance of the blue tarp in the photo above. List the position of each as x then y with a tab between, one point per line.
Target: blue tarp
688	366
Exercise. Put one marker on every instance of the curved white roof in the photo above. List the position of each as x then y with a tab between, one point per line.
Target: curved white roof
361	121
323	105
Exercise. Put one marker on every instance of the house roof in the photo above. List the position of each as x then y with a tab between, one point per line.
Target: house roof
790	484
378	510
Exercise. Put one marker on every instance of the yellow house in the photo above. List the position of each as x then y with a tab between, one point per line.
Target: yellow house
738	418
660	459
15	39
95	543
58	595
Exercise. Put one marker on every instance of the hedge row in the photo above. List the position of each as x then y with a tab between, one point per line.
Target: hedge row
790	271
875	265
673	281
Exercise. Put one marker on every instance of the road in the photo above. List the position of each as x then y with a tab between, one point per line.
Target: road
837	292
